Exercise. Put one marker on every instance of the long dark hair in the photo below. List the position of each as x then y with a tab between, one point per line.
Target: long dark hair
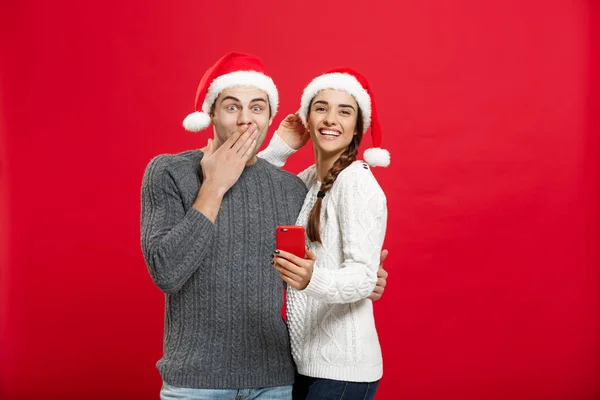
344	160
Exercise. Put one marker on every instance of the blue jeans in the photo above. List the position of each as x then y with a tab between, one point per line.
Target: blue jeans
169	392
307	388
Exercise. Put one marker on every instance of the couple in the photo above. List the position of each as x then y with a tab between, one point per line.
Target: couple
208	225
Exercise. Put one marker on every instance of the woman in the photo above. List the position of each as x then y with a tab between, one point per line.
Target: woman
330	318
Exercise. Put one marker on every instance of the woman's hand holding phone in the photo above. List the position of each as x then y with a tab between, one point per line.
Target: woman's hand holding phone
294	271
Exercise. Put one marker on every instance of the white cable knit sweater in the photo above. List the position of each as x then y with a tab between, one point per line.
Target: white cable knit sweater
331	322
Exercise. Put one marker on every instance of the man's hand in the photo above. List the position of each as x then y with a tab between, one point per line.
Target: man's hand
222	167
292	132
381	278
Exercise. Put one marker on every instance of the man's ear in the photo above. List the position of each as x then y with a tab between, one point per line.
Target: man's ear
211	112
271	120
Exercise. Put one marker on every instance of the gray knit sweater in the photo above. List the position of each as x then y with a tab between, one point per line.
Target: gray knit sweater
223	325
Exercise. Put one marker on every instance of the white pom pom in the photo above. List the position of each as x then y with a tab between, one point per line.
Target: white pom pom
377	157
196	121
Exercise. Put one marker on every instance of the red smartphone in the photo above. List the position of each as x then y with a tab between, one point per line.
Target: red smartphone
290	238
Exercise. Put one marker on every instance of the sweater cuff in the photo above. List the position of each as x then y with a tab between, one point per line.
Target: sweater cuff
198	221
318	285
277	152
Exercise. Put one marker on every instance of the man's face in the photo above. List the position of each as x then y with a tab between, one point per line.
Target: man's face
237	107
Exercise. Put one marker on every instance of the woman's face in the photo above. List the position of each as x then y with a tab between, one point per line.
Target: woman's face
332	121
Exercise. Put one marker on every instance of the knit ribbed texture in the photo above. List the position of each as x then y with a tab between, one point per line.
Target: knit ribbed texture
223	325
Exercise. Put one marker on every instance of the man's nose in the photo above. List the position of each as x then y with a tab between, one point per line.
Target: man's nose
245	116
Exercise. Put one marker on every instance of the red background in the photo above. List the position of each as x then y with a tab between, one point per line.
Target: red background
491	113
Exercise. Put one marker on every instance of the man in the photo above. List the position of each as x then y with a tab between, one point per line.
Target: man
208	230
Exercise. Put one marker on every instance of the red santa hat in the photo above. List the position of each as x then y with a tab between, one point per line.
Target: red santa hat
233	69
355	84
